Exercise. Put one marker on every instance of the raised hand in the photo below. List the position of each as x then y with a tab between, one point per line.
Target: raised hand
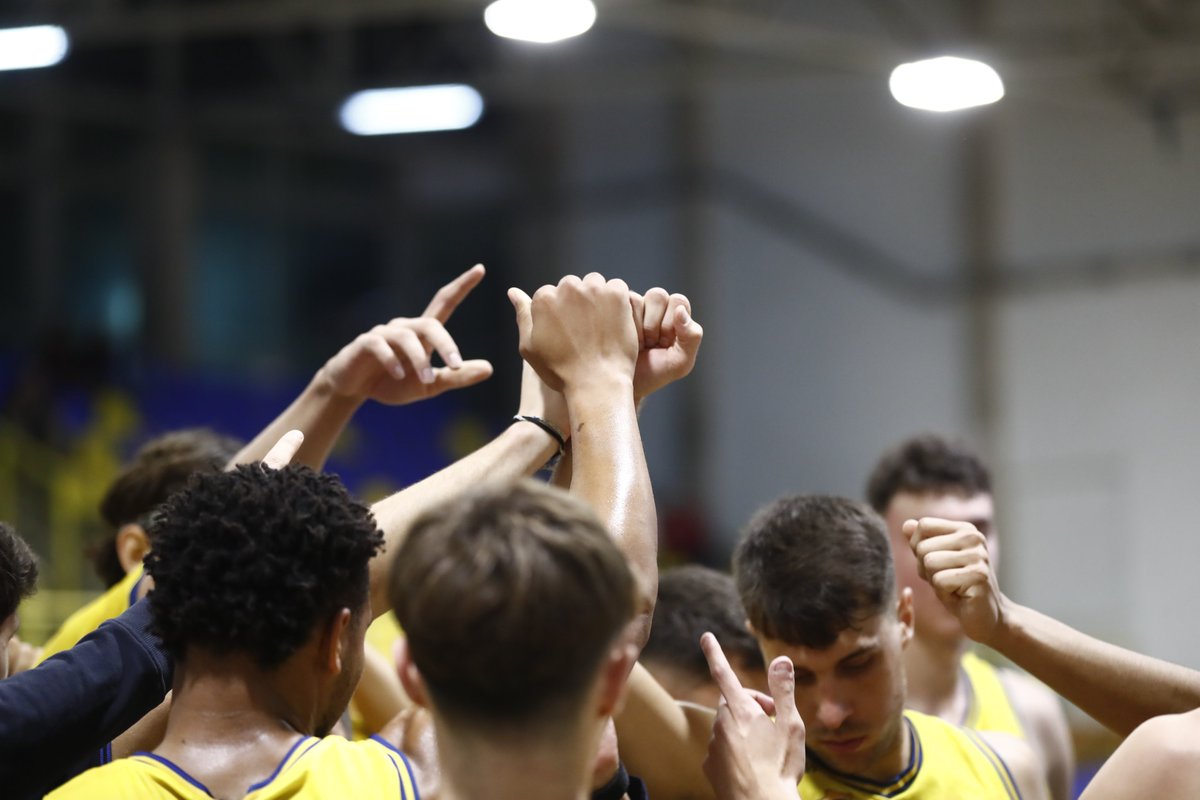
751	757
953	558
578	332
670	339
391	363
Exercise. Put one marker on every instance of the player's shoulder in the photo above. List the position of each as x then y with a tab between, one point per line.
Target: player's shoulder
123	778
1158	759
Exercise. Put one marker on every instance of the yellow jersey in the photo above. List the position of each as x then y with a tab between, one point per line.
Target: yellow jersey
946	763
113	603
988	705
313	768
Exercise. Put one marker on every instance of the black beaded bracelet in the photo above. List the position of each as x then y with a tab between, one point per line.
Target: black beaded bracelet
547	427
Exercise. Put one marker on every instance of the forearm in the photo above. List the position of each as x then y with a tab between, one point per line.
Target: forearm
1119	688
663	741
78	701
609	472
379	696
319	412
519	451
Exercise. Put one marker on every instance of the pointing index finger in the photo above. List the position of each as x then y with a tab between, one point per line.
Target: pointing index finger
723	674
453	293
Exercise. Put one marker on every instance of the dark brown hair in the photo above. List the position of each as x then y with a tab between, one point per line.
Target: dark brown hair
691	600
159	468
510	597
811	566
18	571
927	463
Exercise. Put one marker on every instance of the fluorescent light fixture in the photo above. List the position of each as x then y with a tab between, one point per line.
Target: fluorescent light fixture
541	21
32	47
945	84
446	107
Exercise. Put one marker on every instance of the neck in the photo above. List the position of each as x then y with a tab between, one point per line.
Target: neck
935	684
230	723
479	767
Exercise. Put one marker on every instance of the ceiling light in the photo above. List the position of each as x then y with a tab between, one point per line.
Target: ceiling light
415	109
945	84
541	21
32	47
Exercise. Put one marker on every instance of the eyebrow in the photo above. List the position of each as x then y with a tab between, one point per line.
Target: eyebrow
861	651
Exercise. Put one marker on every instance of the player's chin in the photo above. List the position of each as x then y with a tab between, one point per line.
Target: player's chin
845	753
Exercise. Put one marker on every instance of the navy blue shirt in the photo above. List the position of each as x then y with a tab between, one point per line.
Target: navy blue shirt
58	719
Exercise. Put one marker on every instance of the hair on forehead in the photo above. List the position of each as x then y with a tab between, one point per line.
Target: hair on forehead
927	463
809	567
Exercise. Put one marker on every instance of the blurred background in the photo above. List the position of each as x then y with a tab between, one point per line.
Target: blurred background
189	230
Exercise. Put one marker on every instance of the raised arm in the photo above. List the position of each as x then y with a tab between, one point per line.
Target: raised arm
582	339
1118	687
389	364
519	451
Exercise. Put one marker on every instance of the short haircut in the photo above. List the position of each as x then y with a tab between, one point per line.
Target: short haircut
510	596
927	463
159	468
809	567
691	600
252	560
18	571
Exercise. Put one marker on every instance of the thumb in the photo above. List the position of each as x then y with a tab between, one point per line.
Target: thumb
781	679
522	304
470	373
284	450
688	332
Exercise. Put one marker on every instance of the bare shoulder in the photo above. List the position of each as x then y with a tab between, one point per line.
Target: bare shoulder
1022	762
1159	759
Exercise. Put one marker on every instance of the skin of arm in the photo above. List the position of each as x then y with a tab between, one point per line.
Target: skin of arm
664	741
1157	760
519	451
1045	723
582	339
389	364
1119	688
379	696
1023	764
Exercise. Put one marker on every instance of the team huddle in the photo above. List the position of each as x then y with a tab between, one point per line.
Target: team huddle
481	634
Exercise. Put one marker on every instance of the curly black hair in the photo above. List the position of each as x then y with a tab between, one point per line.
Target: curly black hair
18	571
249	561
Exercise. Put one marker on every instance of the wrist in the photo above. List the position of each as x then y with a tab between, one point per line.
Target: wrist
595	386
322	386
1009	624
533	440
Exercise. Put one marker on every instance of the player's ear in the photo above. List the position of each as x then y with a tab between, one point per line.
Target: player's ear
906	615
410	676
334	641
132	544
614	677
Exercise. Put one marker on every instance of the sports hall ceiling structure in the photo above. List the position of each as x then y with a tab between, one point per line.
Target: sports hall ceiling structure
254	68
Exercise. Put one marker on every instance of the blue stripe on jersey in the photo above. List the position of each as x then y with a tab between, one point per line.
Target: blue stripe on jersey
177	770
278	768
